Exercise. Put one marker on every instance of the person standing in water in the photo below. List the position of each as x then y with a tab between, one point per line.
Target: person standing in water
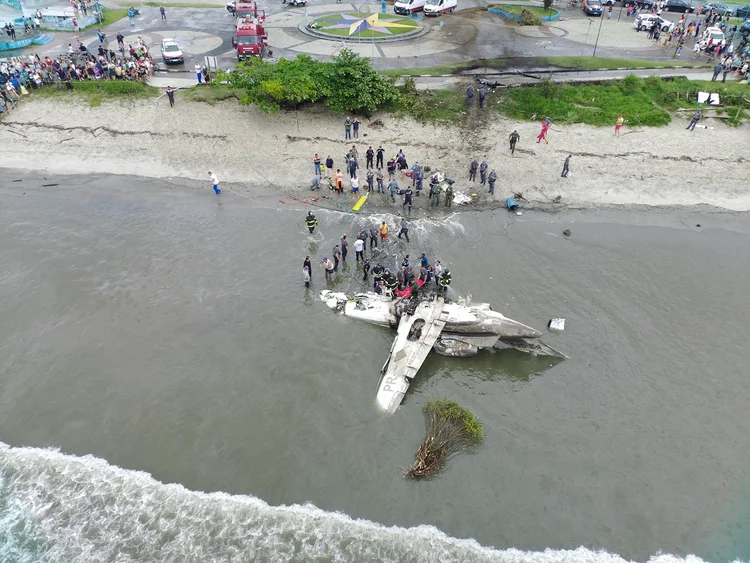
215	183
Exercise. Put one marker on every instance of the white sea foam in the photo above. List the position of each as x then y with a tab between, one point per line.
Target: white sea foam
423	225
61	508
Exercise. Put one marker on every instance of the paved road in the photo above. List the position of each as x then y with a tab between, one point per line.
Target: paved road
469	34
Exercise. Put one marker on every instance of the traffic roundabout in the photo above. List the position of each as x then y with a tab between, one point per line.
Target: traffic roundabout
359	27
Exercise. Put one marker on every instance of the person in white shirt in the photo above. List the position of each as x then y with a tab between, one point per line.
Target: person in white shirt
359	248
215	183
199	73
355	185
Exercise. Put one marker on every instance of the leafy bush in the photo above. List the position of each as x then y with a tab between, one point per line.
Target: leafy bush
349	83
631	84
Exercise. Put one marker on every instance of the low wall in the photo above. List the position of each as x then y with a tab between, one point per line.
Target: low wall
518	18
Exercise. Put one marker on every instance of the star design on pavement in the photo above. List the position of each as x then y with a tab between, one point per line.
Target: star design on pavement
357	25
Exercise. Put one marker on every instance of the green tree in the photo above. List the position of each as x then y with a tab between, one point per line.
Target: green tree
548	4
354	85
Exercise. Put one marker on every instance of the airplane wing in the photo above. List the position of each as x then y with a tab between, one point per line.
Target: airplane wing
418	330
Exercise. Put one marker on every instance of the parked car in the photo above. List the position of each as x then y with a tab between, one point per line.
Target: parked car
721	8
714	33
171	52
640	4
592	7
743	12
644	23
678	6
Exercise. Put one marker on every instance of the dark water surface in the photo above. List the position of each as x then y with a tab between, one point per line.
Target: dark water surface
168	332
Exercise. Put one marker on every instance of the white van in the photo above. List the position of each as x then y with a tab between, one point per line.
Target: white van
406	7
437	7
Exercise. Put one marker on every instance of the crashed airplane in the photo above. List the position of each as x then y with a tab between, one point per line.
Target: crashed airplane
428	321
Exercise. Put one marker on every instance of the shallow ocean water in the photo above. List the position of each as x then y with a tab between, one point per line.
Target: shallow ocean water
169	333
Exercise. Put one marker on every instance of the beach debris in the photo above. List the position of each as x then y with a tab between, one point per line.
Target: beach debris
556	325
557	199
566	232
511	204
451	429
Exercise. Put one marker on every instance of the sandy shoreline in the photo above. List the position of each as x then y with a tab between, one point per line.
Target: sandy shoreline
656	167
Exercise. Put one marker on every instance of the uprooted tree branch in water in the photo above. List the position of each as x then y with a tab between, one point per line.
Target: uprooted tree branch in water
452	429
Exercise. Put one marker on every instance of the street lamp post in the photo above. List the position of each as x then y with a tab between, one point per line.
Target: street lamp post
596	44
586	39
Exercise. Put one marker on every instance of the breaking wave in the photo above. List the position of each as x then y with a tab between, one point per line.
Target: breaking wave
56	507
422	225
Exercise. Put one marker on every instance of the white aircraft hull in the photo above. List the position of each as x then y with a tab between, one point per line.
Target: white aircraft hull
452	329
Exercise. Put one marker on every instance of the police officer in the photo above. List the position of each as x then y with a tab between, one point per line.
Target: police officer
445	280
365	269
393	189
469	95
514	138
483	172
368	156
482	93
311	221
379	157
449	196
405	261
370	178
373	238
473	171
362	235
491	180
407	202
379	178
404	230
401	278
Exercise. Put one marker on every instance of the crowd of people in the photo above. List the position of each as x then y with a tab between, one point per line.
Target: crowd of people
407	280
20	76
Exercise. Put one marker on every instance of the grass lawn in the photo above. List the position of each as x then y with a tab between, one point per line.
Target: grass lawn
96	92
112	15
210	94
643	102
583	63
516	10
588	63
